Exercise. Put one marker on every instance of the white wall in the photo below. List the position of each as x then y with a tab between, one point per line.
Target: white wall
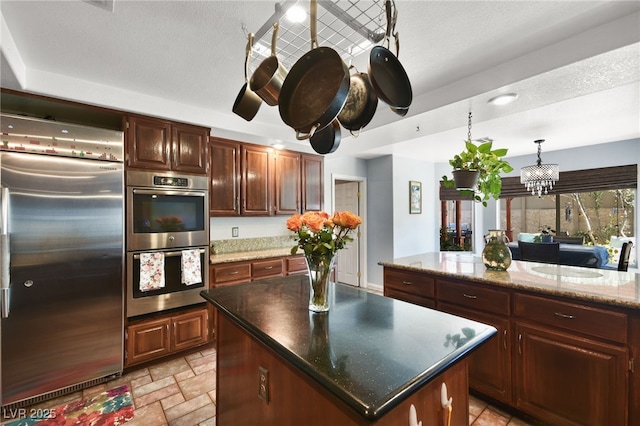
380	234
412	233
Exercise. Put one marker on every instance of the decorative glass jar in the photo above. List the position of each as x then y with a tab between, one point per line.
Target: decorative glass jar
496	254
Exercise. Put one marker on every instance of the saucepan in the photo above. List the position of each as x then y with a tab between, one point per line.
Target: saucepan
387	75
247	103
316	88
267	79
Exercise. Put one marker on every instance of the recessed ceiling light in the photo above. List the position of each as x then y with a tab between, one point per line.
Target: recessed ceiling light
507	98
296	14
64	131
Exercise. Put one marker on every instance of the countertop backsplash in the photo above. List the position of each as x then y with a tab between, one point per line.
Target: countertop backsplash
251	244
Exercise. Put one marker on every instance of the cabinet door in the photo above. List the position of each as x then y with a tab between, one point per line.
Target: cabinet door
566	380
189	149
189	330
287	182
147	340
257	181
312	182
224	188
490	364
148	144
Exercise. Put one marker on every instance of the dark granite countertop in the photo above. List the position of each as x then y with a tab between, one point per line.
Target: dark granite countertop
370	351
604	286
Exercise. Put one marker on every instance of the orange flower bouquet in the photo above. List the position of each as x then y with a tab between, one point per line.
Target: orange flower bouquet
320	237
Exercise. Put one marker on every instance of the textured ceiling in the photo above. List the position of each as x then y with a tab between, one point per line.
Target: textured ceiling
574	64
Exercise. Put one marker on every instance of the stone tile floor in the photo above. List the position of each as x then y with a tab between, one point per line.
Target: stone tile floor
181	392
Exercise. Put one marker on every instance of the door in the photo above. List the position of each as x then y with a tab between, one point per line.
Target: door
63	219
347	199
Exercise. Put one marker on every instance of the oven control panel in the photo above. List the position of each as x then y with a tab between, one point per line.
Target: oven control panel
171	181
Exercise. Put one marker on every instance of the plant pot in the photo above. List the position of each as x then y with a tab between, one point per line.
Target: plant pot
466	179
546	238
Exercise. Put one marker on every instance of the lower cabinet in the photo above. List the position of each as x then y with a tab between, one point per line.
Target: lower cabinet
566	380
490	364
152	338
562	361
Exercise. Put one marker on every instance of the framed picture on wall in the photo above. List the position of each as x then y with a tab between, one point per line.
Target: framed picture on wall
415	197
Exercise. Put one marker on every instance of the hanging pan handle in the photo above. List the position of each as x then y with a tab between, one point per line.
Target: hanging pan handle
274	38
249	51
313	15
396	35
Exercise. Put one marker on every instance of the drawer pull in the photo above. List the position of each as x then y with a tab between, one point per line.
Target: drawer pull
233	273
504	339
268	267
469	296
407	282
565	316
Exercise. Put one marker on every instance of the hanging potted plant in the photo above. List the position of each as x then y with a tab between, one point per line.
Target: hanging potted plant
477	169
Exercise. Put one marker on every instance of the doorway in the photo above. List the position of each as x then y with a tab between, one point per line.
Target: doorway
348	195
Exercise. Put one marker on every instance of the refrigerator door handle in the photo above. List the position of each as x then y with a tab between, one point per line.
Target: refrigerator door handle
5	254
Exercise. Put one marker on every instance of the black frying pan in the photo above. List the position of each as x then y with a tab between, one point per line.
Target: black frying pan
316	88
387	75
327	140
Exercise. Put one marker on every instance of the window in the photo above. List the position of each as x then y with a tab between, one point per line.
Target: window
597	205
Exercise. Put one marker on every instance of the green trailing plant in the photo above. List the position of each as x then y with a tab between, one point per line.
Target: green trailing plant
488	162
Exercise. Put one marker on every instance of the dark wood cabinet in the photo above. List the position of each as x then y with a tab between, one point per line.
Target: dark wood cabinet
287	182
189	149
561	360
154	144
257	180
312	172
224	188
159	336
566	380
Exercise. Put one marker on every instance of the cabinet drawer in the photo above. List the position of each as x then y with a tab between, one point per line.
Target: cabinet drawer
413	283
296	264
231	272
592	321
474	297
266	268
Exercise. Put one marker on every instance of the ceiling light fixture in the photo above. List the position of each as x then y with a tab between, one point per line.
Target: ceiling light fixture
540	178
296	14
507	98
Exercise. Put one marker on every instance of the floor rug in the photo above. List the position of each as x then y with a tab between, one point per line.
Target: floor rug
110	408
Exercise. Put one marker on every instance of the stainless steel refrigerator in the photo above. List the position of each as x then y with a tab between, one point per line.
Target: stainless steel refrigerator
61	234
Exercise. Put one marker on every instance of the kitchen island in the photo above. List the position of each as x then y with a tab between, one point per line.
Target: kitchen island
568	337
364	362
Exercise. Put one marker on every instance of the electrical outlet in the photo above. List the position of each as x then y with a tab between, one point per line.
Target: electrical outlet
234	231
263	384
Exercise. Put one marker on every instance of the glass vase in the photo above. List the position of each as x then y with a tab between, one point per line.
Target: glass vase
319	267
496	255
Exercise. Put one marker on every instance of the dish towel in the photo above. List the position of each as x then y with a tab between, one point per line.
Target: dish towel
191	272
151	271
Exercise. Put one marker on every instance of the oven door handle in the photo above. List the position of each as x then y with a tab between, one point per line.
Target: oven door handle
142	191
167	253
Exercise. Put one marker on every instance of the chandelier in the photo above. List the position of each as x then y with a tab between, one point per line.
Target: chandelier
539	178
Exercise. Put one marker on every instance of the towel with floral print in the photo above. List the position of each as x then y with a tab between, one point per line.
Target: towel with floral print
191	269
151	271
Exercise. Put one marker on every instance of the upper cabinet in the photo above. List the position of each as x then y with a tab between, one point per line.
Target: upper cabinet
154	144
254	180
312	173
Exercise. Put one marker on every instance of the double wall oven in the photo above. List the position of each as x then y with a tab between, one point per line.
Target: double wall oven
168	222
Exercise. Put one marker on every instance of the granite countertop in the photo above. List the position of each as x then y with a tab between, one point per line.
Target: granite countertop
249	255
588	284
370	351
